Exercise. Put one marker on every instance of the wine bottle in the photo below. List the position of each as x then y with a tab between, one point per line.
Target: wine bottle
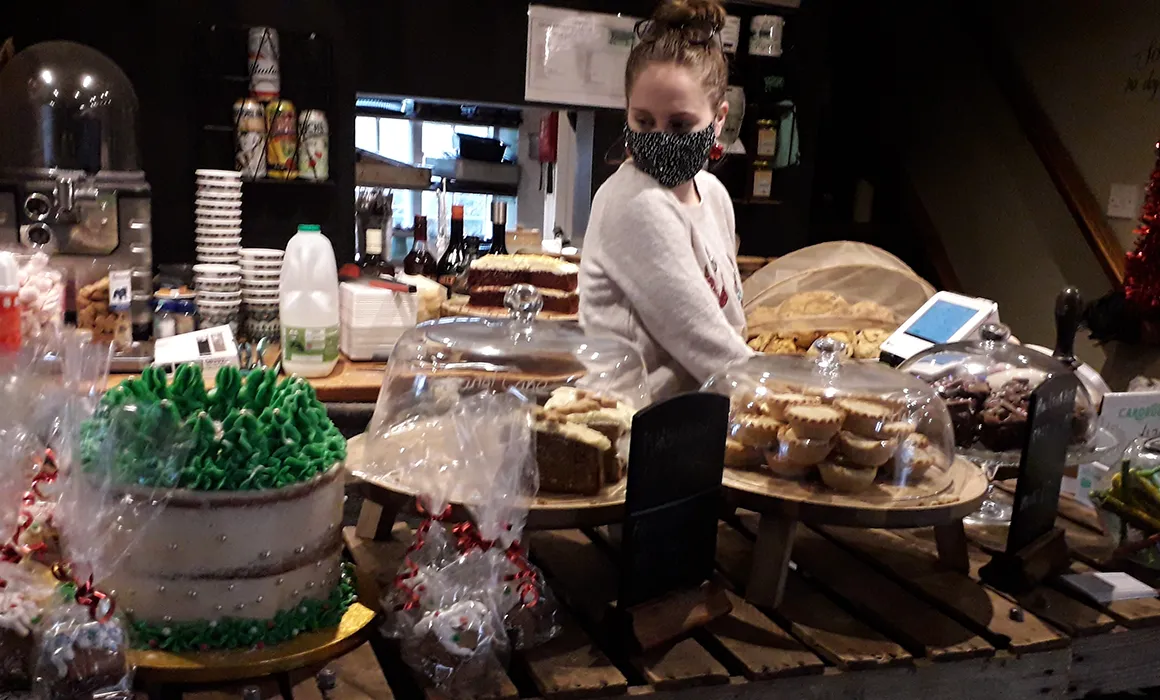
454	261
420	261
498	228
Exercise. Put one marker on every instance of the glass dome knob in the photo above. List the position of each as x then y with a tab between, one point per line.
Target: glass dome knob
995	332
523	302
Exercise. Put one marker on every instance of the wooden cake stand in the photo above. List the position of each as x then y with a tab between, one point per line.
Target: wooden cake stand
386	499
164	667
940	500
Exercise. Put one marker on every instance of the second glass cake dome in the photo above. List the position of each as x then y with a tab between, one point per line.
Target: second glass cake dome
583	391
818	427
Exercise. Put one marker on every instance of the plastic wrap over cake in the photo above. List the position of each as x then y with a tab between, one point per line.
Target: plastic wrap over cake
823	425
585	389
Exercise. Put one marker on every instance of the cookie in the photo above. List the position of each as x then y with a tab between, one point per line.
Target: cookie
865	452
865	417
817	303
795	449
738	456
755	431
815	422
845	478
775	405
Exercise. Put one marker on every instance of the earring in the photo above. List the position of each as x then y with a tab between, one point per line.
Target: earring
717	152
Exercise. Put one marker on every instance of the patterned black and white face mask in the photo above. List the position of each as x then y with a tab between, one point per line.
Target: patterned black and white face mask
670	158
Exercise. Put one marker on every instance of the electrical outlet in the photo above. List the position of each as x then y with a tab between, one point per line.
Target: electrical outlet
1125	201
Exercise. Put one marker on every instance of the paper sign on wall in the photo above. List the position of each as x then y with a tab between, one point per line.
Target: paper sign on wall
577	58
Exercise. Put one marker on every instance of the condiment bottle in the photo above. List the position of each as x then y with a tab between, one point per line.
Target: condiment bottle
9	303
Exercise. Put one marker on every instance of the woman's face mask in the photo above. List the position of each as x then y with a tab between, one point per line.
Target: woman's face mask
670	159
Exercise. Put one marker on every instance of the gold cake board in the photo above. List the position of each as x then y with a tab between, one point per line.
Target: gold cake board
310	649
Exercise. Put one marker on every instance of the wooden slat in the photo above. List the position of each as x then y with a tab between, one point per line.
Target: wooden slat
915	623
358	676
977	606
570	667
751	641
1068	614
1123	660
590	583
763	649
824	627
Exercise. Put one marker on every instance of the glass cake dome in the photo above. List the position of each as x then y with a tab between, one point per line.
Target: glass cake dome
583	390
986	384
816	426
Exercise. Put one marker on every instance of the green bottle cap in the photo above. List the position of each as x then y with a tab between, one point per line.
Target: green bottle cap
309	228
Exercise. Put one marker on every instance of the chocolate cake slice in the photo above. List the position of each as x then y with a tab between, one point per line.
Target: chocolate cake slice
543	271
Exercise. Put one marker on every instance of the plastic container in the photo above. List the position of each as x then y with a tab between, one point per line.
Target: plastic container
860	429
42	292
309	304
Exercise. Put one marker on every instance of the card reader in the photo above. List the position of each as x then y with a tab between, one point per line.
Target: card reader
944	318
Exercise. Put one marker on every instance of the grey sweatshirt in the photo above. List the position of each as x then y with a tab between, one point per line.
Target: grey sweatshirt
663	275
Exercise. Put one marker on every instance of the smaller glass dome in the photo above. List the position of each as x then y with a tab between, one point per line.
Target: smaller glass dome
986	384
834	426
66	106
583	391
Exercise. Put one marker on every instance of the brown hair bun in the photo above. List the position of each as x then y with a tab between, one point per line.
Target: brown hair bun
678	13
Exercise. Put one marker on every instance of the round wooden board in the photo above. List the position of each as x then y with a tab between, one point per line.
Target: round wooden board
546	511
955	493
231	665
459	307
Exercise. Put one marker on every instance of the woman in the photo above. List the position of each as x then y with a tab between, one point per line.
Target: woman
660	265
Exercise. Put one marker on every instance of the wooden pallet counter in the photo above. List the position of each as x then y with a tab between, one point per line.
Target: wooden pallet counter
866	613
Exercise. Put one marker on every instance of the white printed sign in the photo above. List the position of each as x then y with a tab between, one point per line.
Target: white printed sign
577	58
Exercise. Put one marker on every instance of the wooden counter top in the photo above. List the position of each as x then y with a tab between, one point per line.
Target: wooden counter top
350	382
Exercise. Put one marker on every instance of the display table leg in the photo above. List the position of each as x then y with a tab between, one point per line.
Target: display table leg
951	540
376	520
770	560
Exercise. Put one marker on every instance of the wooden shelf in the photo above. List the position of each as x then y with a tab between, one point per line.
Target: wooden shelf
750	200
300	182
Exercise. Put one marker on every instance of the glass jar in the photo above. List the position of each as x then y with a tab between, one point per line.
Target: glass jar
987	385
174	314
583	391
41	295
103	302
766	137
828	426
762	180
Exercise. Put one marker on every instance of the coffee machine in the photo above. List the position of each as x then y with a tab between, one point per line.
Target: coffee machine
71	182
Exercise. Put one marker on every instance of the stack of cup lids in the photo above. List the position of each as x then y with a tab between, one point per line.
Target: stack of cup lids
261	274
219	294
218	216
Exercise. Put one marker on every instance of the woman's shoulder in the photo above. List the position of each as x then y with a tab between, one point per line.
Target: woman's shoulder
628	185
711	187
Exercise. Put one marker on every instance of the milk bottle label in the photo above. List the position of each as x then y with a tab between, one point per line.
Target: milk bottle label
311	344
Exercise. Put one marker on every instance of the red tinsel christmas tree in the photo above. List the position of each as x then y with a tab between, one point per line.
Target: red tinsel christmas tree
1142	269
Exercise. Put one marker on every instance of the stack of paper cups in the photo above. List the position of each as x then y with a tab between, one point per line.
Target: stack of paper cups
218	216
261	275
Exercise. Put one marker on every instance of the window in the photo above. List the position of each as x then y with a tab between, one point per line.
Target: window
417	143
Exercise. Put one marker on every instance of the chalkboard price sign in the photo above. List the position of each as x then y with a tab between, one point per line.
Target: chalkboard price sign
674	496
1041	467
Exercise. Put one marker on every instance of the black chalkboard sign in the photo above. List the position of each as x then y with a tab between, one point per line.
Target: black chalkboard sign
674	496
1041	466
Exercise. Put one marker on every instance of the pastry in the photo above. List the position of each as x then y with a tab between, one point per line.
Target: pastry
760	341
777	465
894	429
815	422
874	311
775	405
1004	416
868	343
817	303
572	458
795	449
755	431
612	418
739	456
846	478
865	417
964	400
865	452
554	300
916	455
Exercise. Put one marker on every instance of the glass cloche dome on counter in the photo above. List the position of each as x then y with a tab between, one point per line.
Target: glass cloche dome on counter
987	384
582	391
812	427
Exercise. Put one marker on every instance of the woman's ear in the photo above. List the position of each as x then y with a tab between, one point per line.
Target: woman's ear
719	118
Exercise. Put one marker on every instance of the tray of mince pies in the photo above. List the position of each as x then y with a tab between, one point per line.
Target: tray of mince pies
819	426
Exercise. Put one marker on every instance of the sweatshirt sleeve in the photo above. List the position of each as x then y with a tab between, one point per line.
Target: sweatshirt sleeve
648	254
